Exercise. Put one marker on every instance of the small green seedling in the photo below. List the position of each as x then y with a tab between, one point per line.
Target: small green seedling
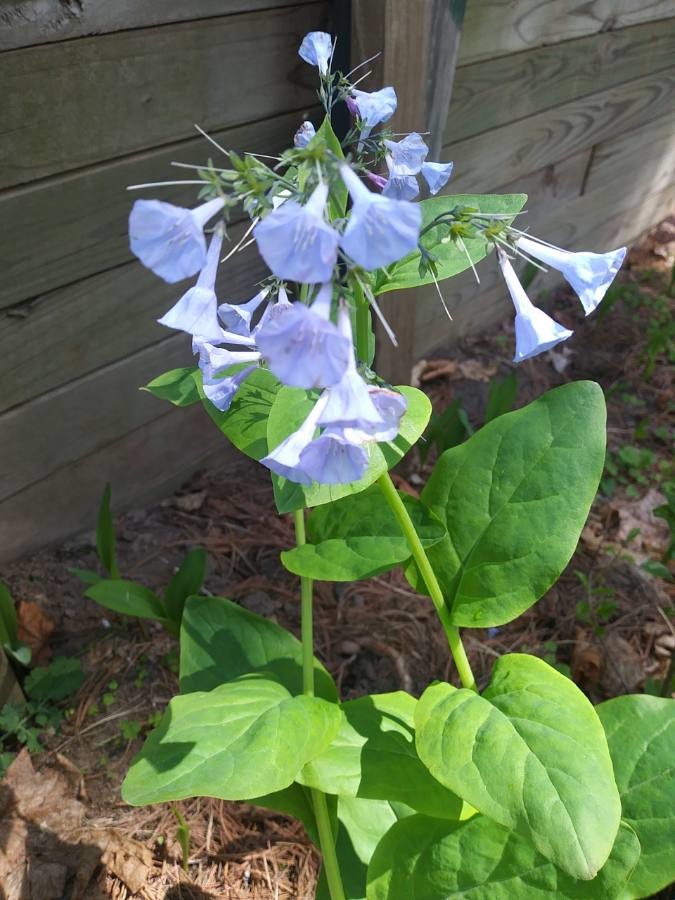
9	640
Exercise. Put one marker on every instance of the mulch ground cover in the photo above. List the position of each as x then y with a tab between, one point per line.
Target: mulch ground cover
608	622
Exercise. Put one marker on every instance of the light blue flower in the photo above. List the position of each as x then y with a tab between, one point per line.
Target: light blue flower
589	274
295	241
169	239
237	317
332	459
391	407
304	135
197	310
407	155
348	401
372	108
400	187
284	459
221	391
535	330
316	49
302	346
380	230
436	175
220	386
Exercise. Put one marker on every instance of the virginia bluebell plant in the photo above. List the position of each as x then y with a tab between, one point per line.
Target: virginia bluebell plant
514	788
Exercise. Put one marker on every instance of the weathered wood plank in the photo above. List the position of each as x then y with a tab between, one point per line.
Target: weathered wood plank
77	329
142	467
513	151
69	227
69	105
72	421
24	23
496	28
497	91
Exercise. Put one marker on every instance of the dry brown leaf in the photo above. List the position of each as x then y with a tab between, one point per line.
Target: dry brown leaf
35	628
651	539
471	369
125	858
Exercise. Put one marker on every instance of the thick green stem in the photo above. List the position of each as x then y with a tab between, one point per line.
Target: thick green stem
427	573
363	323
326	836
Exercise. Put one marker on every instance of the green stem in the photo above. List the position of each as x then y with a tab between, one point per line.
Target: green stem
363	323
326	836
427	573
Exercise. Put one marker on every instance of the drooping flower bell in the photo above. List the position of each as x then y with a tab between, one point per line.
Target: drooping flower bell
284	459
399	186
333	459
391	407
237	317
436	175
303	348
169	240
296	242
535	330
380	230
304	135
197	310
316	49
219	385
589	274
372	107
408	154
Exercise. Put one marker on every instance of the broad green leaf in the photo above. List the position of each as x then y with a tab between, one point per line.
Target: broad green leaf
529	753
105	535
514	498
338	195
641	736
239	741
430	859
127	597
373	756
86	576
291	408
221	641
359	536
451	257
245	422
7	617
177	386
445	430
187	580
61	678
501	396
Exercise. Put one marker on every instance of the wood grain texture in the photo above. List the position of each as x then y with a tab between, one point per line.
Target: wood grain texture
497	91
68	105
68	227
77	329
514	150
499	27
142	466
24	23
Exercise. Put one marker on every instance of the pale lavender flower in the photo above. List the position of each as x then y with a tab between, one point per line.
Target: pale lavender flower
372	108
332	459
378	180
399	186
220	387
284	459
302	346
535	330
237	317
304	135
169	239
436	175
197	310
589	274
407	155
222	390
296	242
391	407
380	230
316	49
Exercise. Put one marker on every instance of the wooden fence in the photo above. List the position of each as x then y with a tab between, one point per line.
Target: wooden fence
566	100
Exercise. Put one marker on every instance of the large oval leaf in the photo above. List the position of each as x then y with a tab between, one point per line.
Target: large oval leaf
641	736
292	406
239	741
359	536
221	641
127	597
429	859
373	756
514	499
529	753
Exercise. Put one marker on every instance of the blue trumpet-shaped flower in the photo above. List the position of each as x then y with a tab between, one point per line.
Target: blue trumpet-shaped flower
302	346
316	49
284	459
333	459
372	108
221	390
237	317
197	310
399	187
295	241
589	274
220	386
391	407
169	239
407	155
304	135
380	230
535	330
436	175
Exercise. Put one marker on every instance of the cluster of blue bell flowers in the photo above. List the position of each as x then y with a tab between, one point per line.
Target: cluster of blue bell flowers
301	344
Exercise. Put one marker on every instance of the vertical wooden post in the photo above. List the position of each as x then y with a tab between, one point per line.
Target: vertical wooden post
419	42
